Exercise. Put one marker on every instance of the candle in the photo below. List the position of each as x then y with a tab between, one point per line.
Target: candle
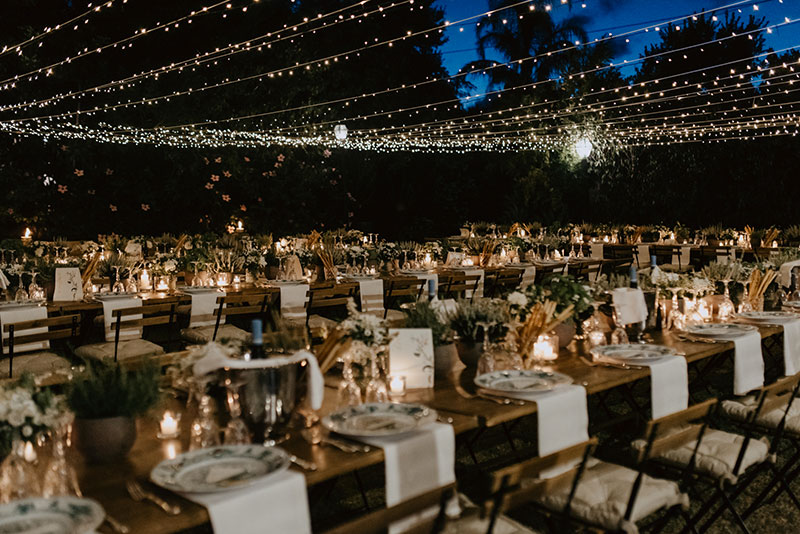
397	385
597	337
168	427
29	454
172	448
144	279
162	284
545	348
237	280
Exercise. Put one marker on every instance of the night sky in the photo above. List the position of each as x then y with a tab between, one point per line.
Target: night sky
619	16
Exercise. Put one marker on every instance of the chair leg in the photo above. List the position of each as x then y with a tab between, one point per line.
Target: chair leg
690	524
736	516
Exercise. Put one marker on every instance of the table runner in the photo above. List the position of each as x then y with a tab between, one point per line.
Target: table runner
280	504
119	303
791	344
669	385
684	258
371	293
643	255
22	313
528	274
597	251
203	306
415	463
293	300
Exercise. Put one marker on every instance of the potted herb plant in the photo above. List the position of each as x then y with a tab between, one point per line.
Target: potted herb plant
106	400
471	321
564	290
445	355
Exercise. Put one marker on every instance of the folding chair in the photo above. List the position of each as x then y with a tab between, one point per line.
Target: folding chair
546	270
329	300
379	520
401	288
585	269
460	283
258	304
136	318
18	335
501	282
773	412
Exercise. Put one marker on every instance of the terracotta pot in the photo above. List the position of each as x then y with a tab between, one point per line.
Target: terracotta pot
469	352
105	440
565	332
445	360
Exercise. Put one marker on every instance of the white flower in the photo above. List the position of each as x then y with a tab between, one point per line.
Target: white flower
39	252
27	431
517	299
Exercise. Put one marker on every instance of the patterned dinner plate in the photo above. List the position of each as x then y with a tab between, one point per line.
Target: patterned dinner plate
719	329
55	515
379	419
633	352
792	304
521	381
218	469
766	316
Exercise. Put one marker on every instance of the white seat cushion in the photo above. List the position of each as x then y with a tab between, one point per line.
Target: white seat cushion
203	334
132	348
603	494
717	454
742	409
470	522
38	363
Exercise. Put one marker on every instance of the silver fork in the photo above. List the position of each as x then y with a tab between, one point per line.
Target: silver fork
501	400
138	494
302	464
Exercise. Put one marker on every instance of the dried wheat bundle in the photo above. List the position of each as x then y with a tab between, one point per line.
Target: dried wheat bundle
759	284
179	244
91	267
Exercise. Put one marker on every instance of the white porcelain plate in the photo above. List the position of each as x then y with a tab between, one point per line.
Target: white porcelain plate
766	316
218	469
379	419
719	329
523	381
633	352
55	515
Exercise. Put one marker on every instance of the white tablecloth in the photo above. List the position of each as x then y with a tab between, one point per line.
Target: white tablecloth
110	304
597	251
371	292
19	314
203	306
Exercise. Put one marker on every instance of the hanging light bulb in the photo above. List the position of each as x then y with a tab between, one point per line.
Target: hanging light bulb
340	131
583	147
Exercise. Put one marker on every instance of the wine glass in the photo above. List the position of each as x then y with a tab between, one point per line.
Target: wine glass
348	393
21	295
35	291
196	279
376	390
236	432
117	287
60	477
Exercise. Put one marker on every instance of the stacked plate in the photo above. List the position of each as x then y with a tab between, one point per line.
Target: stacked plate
55	515
520	381
719	330
632	353
379	419
219	469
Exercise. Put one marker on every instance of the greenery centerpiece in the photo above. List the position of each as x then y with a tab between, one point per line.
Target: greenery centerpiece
106	399
478	322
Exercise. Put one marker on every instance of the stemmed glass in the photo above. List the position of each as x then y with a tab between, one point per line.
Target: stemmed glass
35	291
60	477
196	279
726	308
21	295
349	393
236	432
376	390
117	287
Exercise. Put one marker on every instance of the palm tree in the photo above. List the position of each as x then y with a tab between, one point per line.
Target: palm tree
520	33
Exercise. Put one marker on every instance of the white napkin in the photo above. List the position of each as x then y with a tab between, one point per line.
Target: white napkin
528	275
111	304
563	420
22	314
630	305
748	362
280	504
203	306
685	257
293	300
785	272
597	251
371	292
644	255
669	385
4	282
791	346
415	463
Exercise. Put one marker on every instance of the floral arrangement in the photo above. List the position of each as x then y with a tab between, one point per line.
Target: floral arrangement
424	315
387	251
164	264
254	261
470	318
356	254
27	411
364	327
565	291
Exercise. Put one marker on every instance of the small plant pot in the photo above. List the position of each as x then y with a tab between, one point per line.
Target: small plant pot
565	332
105	440
469	352
445	360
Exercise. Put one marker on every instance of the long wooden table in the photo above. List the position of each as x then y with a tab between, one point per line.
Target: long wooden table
454	399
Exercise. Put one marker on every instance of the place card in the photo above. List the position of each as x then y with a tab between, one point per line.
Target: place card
411	355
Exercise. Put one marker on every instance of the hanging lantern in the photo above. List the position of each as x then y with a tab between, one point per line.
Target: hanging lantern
340	131
583	147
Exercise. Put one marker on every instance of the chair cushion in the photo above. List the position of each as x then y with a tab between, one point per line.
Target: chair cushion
318	321
38	363
603	493
717	454
742	409
133	348
203	334
469	521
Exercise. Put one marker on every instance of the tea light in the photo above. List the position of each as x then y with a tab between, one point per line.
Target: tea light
467	262
144	279
397	385
546	348
172	448
27	236
29	453
703	310
596	338
168	427
237	280
774	244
